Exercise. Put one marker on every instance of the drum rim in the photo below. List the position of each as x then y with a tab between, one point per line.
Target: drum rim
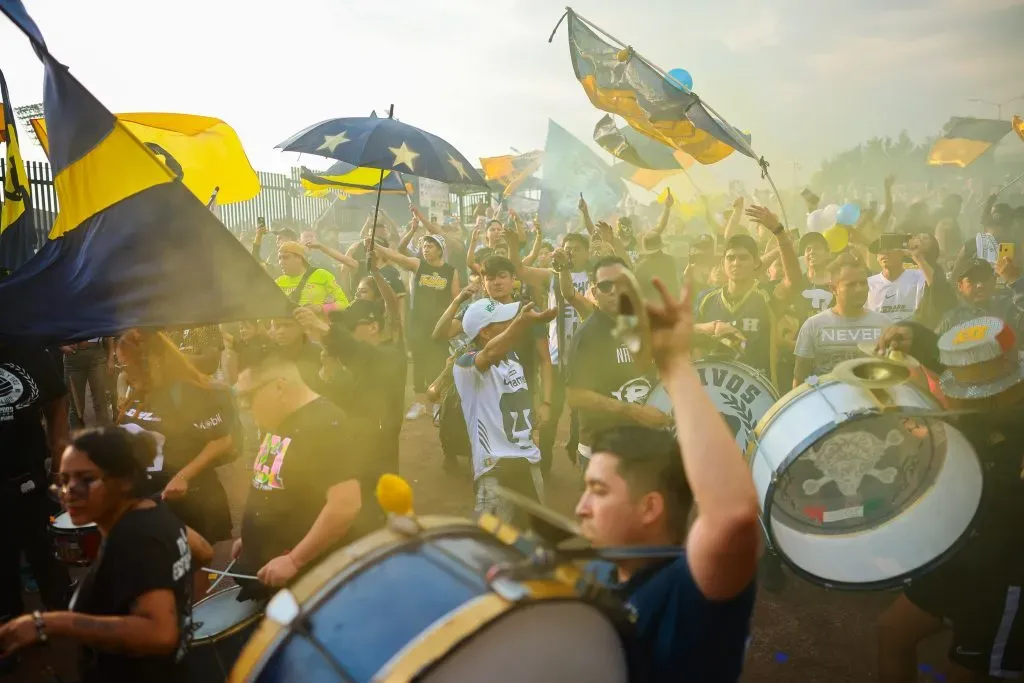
75	528
903	579
312	588
217	637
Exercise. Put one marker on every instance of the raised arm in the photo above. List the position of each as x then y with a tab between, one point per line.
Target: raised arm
403	243
733	225
499	347
536	278
665	214
583	306
432	227
585	215
410	263
723	543
447	326
791	275
538	241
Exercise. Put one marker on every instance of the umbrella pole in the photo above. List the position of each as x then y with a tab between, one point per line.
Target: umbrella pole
376	210
373	229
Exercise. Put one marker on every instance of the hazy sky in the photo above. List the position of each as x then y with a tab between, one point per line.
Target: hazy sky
806	77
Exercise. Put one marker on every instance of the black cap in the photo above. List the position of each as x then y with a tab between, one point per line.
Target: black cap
811	238
703	242
966	265
745	242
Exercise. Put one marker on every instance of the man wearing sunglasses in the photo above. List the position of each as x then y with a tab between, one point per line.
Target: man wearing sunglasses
309	480
604	383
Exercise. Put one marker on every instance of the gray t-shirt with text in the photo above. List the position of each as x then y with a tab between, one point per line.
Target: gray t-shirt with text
830	338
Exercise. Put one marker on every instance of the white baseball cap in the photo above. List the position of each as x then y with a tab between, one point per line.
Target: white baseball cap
484	312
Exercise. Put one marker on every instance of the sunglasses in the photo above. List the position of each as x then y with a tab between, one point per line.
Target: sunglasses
605	286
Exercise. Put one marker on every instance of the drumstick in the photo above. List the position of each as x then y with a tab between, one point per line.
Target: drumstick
221	577
233	576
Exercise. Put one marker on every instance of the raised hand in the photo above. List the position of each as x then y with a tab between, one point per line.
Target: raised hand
671	326
764	216
529	315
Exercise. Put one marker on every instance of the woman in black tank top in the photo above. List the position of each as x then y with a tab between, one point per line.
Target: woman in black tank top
435	283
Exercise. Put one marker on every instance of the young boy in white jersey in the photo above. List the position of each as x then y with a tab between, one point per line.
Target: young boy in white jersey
497	405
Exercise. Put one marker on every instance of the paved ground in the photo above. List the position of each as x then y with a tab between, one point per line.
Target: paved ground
805	634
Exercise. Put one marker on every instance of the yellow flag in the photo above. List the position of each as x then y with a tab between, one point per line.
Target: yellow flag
204	152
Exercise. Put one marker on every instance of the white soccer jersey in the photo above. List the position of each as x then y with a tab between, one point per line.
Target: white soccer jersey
498	409
581	283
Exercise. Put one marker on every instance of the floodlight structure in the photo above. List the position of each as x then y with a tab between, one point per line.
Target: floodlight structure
27	112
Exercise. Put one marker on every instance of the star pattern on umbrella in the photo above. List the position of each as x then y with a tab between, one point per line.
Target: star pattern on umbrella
332	141
404	156
458	166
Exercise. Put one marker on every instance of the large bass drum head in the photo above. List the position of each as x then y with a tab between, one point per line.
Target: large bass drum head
547	642
875	501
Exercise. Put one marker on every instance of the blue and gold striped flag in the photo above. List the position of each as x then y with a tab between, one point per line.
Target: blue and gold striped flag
621	82
17	227
132	246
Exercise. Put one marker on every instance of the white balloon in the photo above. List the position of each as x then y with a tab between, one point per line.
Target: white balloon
816	221
830	212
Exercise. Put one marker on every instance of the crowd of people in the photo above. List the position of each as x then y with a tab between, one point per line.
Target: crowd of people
510	329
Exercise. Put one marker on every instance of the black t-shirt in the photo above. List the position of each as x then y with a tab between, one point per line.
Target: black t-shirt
147	550
306	357
308	453
602	364
29	380
432	292
753	315
183	418
377	390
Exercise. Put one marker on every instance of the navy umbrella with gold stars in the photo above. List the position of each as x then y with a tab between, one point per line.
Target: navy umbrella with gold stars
387	144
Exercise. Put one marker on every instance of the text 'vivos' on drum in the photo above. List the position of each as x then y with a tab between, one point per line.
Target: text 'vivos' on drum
858	493
741	394
397	607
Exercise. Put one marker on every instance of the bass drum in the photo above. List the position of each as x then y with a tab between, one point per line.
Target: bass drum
422	604
741	393
858	493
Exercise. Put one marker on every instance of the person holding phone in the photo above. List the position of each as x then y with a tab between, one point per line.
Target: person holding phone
896	291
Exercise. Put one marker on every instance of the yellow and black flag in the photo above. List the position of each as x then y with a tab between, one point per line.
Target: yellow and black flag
17	224
205	153
132	246
511	170
965	139
621	82
1018	127
350	180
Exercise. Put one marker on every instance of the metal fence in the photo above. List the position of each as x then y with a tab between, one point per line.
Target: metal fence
280	199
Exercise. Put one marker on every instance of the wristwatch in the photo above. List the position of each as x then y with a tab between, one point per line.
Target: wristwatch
40	626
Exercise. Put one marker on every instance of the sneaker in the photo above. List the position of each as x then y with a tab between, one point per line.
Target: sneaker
416	411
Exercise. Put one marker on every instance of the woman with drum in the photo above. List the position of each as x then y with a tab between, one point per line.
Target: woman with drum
131	615
192	421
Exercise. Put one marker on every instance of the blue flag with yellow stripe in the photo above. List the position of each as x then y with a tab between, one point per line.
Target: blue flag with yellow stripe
17	227
131	245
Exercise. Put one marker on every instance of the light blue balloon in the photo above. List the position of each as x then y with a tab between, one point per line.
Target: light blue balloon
682	76
848	214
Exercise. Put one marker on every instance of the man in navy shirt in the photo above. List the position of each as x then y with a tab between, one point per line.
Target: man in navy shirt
693	612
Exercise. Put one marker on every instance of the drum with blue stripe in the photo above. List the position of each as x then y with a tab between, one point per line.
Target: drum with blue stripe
432	602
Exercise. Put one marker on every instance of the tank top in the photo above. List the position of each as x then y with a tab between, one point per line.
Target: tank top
432	292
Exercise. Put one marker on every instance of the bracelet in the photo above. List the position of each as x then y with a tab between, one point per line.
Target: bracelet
40	626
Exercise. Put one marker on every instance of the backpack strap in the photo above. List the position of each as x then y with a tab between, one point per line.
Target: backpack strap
296	294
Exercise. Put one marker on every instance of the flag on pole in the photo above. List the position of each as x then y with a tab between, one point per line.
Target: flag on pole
17	225
132	246
966	139
619	81
571	168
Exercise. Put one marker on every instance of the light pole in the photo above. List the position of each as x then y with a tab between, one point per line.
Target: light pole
998	105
